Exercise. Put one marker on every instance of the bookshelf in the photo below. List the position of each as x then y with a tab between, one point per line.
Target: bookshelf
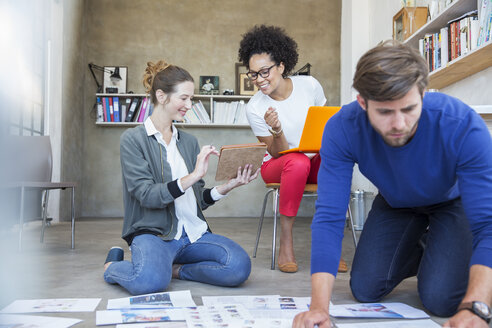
463	66
207	100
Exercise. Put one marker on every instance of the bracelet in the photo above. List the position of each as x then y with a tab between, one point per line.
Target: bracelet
275	133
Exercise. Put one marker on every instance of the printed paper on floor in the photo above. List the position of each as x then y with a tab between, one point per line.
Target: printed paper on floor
426	323
377	310
32	321
217	315
112	317
155	300
180	324
52	305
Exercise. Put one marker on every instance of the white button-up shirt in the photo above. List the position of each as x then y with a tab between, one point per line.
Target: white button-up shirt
186	204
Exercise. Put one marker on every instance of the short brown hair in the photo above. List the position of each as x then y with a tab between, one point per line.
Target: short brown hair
163	76
389	70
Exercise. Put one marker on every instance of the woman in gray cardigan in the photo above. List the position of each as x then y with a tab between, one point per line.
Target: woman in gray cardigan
164	195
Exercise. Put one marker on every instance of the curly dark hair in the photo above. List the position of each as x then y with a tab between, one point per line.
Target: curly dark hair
271	40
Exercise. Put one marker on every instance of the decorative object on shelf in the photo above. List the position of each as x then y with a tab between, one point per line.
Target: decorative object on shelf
209	85
111	82
112	74
228	92
246	86
239	68
304	70
407	21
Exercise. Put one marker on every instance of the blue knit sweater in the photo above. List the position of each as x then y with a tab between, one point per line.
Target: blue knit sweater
449	156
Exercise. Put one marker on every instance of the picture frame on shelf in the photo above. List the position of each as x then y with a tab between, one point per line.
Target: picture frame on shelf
209	85
239	69
246	86
111	82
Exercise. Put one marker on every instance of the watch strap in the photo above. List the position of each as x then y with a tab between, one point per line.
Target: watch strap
470	307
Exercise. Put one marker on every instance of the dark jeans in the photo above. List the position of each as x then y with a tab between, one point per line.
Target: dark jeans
389	251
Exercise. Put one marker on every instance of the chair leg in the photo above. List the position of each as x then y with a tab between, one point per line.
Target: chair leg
21	217
352	227
73	217
45	214
274	239
260	225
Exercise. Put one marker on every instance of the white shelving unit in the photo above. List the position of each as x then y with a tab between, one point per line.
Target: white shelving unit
207	100
463	66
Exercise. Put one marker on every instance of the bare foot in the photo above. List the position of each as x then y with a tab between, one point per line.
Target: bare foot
286	249
176	268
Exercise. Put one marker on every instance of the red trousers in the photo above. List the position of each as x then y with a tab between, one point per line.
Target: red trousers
292	171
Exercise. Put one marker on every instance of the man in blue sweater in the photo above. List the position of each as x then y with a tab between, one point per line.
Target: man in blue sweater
430	156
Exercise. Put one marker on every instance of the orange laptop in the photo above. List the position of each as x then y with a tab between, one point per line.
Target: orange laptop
312	132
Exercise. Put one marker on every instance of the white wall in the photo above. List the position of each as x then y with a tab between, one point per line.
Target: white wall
53	126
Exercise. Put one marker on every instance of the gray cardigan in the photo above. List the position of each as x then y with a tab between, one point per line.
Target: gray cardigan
148	189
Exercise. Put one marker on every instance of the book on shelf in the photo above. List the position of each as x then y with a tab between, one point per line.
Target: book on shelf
444	46
197	113
150	109
143	108
99	108
474	31
111	109
106	109
457	38
203	111
116	109
229	112
191	117
234	156
133	109
485	28
125	105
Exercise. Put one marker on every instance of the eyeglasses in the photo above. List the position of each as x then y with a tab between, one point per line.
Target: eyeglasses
264	73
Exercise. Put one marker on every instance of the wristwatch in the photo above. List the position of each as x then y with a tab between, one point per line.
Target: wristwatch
479	308
274	133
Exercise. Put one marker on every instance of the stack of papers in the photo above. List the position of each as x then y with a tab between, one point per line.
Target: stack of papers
146	308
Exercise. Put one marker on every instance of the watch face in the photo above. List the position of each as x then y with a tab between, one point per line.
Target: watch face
481	308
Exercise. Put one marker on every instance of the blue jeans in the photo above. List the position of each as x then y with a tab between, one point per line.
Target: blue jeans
389	251
212	259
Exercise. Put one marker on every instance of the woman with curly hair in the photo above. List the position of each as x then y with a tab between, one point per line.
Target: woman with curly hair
164	195
276	115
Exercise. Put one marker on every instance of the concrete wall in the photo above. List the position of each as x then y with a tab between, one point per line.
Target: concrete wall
203	37
73	106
